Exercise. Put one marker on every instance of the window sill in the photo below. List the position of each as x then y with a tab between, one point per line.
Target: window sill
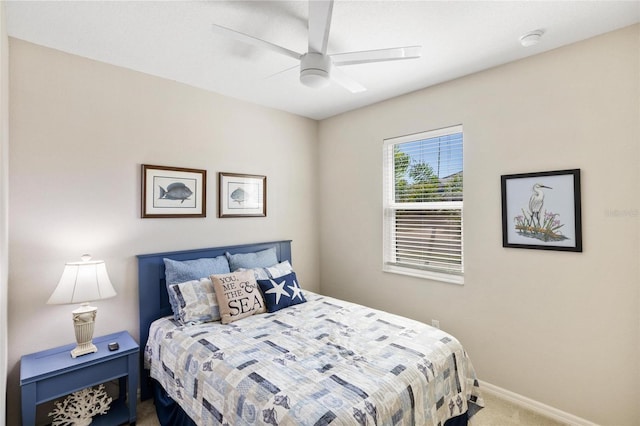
429	275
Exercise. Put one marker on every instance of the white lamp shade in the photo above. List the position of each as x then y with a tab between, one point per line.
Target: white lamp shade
82	282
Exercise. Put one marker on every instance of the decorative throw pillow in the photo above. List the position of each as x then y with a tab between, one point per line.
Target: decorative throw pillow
276	271
196	300
177	272
281	292
238	295
259	259
282	268
258	273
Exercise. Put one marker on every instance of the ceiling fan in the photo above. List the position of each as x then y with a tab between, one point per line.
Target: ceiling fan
317	68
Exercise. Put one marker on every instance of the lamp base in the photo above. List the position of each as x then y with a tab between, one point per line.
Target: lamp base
84	322
83	349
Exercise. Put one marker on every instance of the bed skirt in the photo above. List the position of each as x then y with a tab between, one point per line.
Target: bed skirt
168	411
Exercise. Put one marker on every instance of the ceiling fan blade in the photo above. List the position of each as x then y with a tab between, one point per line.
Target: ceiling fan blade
245	38
286	70
379	55
345	81
319	25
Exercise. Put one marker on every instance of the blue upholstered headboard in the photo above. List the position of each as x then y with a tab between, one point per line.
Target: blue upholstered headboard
152	290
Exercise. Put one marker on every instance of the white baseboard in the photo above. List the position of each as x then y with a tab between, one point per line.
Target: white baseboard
535	406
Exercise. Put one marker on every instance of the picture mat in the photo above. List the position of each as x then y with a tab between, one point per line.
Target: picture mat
559	200
253	190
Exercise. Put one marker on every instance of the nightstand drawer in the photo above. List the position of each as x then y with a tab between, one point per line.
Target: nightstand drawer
80	379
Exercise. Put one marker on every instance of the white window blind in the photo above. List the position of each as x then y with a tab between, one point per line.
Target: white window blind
423	200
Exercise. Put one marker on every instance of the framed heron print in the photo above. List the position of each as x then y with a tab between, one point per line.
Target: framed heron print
542	210
173	192
242	195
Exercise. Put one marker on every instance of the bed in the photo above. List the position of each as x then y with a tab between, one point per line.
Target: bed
324	361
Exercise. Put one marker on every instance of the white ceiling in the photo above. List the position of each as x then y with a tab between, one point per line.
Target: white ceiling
174	40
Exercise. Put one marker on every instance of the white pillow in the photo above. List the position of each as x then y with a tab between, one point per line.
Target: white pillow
259	273
279	270
275	271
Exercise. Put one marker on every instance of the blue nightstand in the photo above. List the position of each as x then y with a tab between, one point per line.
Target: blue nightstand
53	374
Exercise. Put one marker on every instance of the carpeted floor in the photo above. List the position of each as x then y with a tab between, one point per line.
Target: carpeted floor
497	412
147	414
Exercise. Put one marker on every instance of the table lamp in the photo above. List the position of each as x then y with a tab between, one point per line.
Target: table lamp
82	282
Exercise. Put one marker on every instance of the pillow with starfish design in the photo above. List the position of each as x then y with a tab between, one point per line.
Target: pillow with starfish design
281	292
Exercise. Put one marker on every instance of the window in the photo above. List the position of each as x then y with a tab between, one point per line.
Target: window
423	205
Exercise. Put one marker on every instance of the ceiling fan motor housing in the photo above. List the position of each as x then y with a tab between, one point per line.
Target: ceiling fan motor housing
314	69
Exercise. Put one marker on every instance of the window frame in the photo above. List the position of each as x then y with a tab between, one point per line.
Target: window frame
390	206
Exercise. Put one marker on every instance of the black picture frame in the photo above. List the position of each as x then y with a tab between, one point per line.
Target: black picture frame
542	210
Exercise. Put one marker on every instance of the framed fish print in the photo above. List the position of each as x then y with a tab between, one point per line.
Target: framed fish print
242	195
542	210
173	192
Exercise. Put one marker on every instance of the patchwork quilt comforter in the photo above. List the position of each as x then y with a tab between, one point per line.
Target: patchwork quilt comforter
324	361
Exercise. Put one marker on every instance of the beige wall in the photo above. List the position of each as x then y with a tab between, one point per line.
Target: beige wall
79	131
560	328
4	209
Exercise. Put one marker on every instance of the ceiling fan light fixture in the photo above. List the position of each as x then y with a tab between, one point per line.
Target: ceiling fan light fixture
314	70
314	78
